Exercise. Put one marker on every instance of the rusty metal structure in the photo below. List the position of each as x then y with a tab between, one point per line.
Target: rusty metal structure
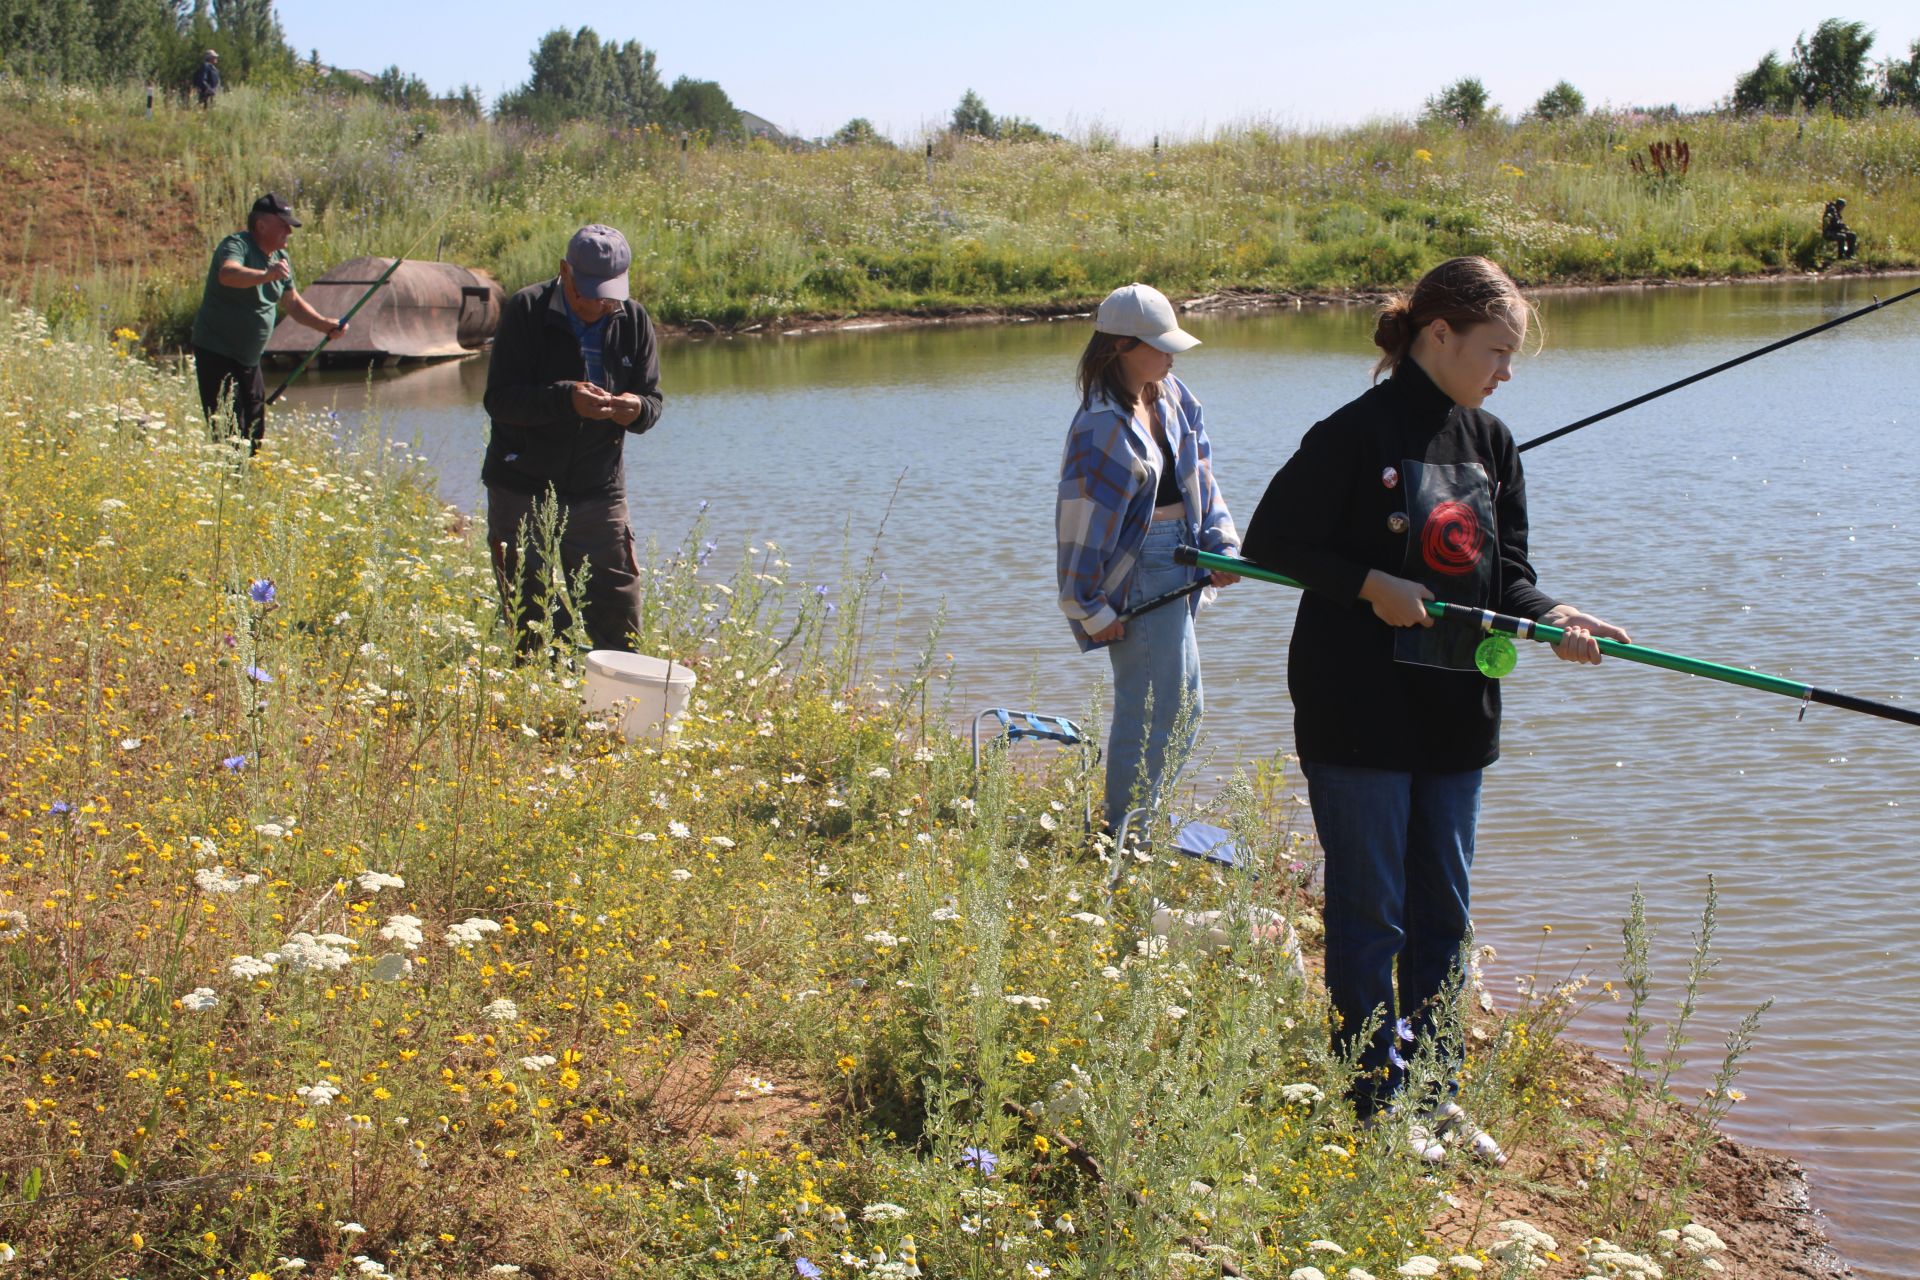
426	311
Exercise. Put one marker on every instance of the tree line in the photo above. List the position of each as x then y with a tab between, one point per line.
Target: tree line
575	75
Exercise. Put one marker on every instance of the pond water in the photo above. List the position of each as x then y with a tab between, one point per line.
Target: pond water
1764	518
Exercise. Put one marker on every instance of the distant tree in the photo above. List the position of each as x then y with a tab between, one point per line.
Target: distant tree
1021	129
703	105
972	116
1464	102
1900	80
464	101
1830	69
576	77
1768	87
859	132
400	89
1562	102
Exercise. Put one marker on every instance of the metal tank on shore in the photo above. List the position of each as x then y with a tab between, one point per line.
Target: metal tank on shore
426	311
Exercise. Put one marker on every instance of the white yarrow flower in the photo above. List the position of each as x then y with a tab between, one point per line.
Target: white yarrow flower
502	1010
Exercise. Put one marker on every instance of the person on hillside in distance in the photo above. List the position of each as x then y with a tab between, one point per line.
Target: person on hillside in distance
1411	492
1136	481
575	370
1833	227
249	278
206	78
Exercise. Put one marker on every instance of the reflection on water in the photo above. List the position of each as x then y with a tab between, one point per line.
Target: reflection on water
1760	518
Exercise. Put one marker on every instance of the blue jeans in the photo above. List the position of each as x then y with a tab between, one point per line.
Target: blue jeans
1157	656
1398	850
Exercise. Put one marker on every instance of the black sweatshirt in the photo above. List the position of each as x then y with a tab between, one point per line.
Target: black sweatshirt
1405	481
537	439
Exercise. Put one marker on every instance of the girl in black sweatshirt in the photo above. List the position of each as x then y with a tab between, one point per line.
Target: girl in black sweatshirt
1409	493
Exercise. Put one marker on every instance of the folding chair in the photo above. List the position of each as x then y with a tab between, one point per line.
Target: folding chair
1031	726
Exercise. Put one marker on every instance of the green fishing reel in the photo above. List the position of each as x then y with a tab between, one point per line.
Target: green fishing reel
1496	656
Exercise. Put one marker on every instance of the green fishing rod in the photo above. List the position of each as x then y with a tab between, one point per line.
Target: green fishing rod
354	310
325	338
1495	656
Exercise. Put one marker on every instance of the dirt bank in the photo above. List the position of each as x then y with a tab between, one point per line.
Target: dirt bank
1218	302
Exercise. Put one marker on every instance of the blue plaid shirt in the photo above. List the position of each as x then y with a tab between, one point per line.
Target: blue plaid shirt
593	341
1108	476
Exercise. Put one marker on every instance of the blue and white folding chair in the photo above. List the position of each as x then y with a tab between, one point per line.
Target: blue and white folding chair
1031	726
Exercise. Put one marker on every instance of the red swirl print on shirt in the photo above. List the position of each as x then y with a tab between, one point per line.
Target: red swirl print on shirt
1451	540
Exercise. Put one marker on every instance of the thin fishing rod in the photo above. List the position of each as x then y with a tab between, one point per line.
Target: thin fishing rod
1168	597
1527	629
325	338
384	276
1571	427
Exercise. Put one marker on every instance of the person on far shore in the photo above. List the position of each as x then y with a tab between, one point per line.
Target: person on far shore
575	370
1409	493
206	78
249	278
1136	481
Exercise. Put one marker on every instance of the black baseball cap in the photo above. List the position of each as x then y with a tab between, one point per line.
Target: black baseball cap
271	203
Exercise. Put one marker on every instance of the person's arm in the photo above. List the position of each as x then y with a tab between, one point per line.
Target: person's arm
637	410
515	393
1299	517
1096	480
1520	592
1217	533
302	311
236	275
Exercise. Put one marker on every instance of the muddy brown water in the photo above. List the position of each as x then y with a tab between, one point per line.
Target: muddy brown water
1764	518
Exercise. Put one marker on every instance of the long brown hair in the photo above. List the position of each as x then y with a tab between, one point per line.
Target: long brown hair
1462	291
1100	372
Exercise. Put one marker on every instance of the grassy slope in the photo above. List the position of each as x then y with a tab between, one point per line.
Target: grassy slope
733	235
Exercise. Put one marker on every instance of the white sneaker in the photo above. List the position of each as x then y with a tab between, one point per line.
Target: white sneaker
1451	1122
1424	1145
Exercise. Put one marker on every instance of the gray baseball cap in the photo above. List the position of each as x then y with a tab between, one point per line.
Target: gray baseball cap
599	257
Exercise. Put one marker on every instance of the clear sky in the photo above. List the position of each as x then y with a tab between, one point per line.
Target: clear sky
1132	66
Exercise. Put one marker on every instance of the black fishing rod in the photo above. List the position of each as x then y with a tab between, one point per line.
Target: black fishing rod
1495	657
1637	401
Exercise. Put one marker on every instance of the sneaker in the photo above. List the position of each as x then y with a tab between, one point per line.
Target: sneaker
1424	1145
1452	1124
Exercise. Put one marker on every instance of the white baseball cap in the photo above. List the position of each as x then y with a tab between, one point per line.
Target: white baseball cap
1142	311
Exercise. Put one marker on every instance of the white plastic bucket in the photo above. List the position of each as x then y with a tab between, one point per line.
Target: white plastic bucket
643	691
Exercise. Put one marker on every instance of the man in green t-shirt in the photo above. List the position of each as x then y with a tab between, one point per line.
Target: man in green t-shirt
249	278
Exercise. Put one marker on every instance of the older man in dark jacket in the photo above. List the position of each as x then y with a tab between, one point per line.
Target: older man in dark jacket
575	370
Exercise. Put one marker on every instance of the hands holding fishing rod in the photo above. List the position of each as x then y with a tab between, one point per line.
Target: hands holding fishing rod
597	404
1401	602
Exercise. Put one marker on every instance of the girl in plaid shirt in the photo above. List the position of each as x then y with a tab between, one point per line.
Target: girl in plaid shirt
1136	481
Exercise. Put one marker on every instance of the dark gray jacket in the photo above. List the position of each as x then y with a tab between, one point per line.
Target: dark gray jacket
537	440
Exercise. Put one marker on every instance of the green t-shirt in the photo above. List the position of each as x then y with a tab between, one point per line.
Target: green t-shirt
237	322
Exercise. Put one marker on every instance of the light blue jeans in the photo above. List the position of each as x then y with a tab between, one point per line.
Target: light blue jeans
1158	661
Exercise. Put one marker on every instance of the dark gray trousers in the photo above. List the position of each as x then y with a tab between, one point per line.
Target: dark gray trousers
597	534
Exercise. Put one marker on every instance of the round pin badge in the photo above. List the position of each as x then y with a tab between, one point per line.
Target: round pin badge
1390	478
1397	522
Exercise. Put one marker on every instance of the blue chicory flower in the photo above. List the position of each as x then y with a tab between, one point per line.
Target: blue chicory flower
1393	1056
258	676
61	806
261	591
980	1158
1403	1029
234	764
805	1269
